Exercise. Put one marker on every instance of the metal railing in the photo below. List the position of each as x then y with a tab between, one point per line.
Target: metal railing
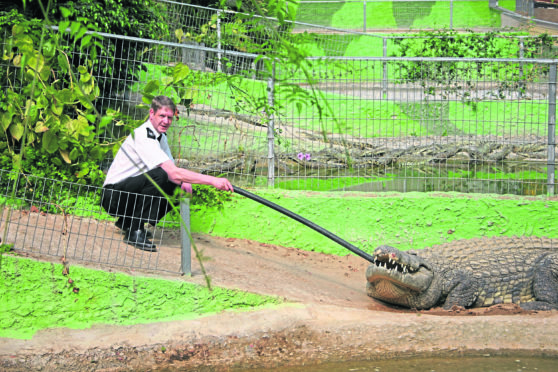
46	217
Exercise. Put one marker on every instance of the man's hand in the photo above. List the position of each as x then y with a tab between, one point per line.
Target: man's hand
182	176
186	187
222	184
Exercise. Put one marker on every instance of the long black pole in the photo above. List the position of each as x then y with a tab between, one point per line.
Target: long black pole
304	221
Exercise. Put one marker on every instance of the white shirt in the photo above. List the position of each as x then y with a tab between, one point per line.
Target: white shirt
138	154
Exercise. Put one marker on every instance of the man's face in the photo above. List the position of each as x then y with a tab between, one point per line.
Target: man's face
161	119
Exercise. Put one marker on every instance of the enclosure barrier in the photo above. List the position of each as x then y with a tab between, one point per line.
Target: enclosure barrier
44	218
345	123
188	20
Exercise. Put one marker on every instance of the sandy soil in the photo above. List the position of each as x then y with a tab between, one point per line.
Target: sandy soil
330	318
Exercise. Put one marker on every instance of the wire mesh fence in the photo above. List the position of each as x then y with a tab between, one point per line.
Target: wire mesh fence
212	28
403	124
404	15
47	217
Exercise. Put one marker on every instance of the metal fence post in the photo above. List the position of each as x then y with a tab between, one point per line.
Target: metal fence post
364	19
186	248
384	76
219	54
271	129
451	15
551	128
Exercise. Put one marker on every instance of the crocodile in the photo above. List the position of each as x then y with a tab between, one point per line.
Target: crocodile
468	273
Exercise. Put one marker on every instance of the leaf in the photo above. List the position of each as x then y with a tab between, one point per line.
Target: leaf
44	72
16	159
16	130
82	172
180	72
30	137
40	127
105	120
33	113
151	86
63	63
50	141
166	80
299	107
65	156
36	61
74	27
85	102
82	126
147	98
65	96
63	26
48	49
179	34
95	153
17	60
86	41
65	12
57	109
92	118
6	119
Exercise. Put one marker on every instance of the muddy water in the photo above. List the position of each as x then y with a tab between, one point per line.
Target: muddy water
460	364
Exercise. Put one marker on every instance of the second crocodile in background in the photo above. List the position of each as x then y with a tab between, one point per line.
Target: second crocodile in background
468	273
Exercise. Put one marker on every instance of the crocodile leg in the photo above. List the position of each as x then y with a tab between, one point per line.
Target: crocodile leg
545	285
462	289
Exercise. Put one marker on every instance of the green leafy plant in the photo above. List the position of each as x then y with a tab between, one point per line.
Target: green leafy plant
454	77
49	123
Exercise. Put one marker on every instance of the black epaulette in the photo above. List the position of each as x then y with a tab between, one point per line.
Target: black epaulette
150	134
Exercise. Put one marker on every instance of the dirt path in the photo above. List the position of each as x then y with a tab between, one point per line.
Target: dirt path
331	319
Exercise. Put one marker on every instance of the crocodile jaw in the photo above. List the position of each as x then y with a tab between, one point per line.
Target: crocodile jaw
398	277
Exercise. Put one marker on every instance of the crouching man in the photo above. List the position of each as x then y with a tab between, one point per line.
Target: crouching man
129	195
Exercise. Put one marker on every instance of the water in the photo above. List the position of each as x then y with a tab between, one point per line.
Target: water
458	364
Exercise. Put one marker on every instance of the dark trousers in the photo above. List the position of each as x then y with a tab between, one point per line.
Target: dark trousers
136	200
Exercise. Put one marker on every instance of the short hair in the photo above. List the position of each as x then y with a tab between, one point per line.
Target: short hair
162	101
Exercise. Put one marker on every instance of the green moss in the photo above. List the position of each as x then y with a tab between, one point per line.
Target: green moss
407	221
36	295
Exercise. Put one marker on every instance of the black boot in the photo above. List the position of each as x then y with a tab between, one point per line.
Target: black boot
138	239
124	230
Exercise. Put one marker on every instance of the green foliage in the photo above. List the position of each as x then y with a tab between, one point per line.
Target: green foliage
140	18
209	197
451	77
48	121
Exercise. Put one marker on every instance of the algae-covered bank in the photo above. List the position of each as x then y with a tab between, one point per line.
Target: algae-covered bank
406	221
37	295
